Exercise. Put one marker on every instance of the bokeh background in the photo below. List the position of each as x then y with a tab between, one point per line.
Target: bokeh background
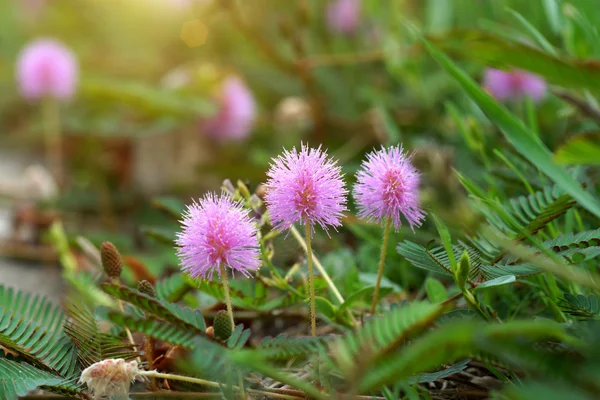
174	96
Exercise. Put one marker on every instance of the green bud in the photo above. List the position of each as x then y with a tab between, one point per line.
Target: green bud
222	326
461	273
243	190
147	288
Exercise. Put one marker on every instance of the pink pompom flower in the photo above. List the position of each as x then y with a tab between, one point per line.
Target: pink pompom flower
305	187
46	68
388	187
343	16
514	85
236	115
217	232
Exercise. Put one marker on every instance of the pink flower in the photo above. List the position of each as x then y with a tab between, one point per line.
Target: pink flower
343	16
110	378
514	85
46	68
217	231
305	187
388	187
237	112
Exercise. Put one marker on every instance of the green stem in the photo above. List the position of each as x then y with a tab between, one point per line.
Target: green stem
226	290
198	381
323	272
318	264
386	237
311	282
52	136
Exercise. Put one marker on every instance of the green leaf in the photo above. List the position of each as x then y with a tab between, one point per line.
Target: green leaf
444	373
171	206
436	292
176	315
580	306
157	328
16	379
580	150
160	235
382	334
502	280
525	141
446	240
325	307
365	292
33	327
93	345
173	288
499	52
370	279
452	342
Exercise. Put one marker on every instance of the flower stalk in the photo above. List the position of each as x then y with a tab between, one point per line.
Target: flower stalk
311	281
226	290
386	237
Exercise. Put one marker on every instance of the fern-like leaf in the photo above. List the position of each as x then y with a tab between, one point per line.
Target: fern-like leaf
580	306
381	335
173	288
32	327
158	329
92	344
436	259
172	313
16	379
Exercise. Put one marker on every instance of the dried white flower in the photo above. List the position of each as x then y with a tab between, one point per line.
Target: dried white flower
111	377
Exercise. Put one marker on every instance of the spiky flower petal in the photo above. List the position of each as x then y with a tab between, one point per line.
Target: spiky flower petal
388	187
110	378
217	231
305	186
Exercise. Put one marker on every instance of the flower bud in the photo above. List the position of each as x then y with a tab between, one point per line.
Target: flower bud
222	326
146	288
111	260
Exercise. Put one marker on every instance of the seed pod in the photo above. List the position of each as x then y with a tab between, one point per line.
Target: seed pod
222	326
111	260
147	288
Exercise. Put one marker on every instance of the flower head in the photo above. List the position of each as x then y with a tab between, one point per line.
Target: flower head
305	187
237	112
110	378
46	68
387	187
514	85
343	16
217	231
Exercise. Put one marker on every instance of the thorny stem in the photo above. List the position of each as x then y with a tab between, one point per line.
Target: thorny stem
226	290
386	237
52	136
311	282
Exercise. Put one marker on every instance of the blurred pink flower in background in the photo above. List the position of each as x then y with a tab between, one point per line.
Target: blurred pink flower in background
514	85
343	16
237	112
46	68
